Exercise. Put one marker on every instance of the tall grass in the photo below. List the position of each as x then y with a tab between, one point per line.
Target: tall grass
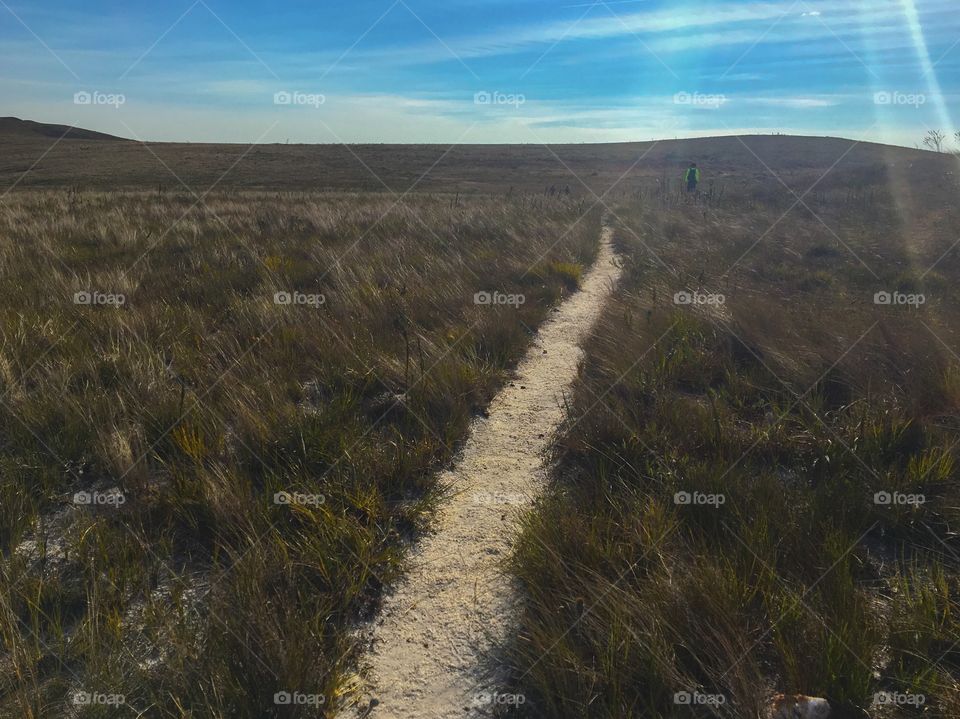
204	488
719	526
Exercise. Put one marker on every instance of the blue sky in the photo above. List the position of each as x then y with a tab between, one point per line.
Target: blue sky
447	71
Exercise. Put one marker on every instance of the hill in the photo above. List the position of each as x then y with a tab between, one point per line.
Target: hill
14	127
83	159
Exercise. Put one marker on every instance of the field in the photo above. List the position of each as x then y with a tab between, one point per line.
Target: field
231	376
756	487
149	430
36	157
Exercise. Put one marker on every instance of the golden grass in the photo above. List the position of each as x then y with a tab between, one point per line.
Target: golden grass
200	397
787	409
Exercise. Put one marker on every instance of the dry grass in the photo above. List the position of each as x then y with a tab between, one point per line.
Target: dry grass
185	586
786	408
618	169
201	398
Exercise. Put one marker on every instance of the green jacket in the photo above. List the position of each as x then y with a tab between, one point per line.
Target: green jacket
692	173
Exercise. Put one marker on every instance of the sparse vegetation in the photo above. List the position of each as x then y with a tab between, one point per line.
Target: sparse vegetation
934	140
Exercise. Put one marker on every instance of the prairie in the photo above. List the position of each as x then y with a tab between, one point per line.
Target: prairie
231	377
221	420
756	487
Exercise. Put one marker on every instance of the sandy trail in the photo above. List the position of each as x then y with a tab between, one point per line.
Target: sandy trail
433	649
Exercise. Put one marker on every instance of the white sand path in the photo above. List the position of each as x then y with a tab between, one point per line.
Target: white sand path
436	639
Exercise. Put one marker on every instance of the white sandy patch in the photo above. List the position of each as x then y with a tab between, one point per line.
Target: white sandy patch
433	649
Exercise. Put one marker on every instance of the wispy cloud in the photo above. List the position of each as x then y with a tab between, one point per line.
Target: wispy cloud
603	71
797	103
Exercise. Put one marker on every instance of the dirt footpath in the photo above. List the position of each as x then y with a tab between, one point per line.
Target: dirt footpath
435	643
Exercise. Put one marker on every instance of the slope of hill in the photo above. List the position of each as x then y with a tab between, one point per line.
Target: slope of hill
15	127
75	161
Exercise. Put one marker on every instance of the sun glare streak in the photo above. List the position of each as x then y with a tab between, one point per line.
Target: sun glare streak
929	72
899	172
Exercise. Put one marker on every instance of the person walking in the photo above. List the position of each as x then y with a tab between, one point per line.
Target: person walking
692	176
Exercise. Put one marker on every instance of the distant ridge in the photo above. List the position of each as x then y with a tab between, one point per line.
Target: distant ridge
33	155
16	126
